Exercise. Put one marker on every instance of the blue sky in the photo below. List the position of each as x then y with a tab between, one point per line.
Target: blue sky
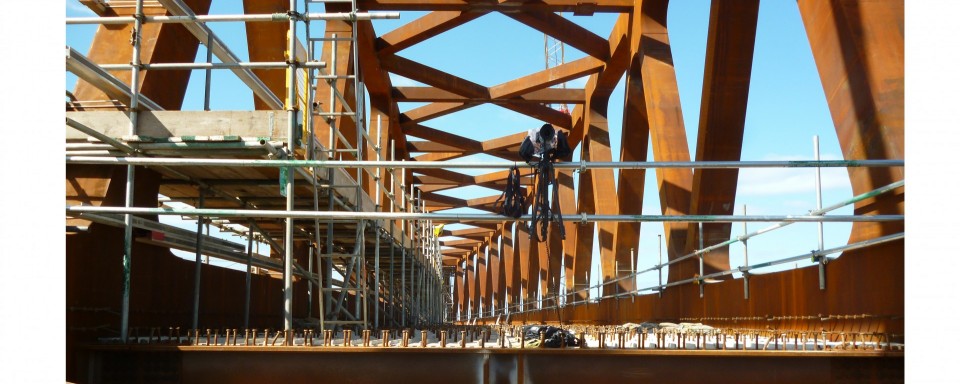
782	59
786	107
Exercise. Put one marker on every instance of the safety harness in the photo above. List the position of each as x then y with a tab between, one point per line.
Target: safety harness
511	202
545	210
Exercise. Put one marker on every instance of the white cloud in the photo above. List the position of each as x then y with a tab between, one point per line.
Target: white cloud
781	181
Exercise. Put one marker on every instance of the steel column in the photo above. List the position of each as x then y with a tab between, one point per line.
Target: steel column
246	301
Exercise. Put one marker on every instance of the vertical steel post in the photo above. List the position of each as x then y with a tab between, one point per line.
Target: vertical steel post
309	91
312	154
700	225
320	306
421	292
310	283
128	199
246	302
291	152
428	301
393	199
403	284
362	276
358	120
316	236
328	285
357	266
422	264
207	74
403	249
414	290
746	260
413	257
206	258
659	266
376	230
332	145
333	98
197	268
821	260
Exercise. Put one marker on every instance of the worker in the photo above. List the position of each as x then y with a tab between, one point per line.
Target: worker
546	143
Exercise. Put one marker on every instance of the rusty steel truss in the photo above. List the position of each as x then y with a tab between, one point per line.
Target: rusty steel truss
322	170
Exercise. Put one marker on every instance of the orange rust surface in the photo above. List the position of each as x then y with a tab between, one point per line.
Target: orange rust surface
434	365
161	284
511	263
859	51
861	283
483	267
667	131
458	289
497	277
268	42
723	110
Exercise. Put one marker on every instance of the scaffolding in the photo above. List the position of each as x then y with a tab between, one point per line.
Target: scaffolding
350	233
347	260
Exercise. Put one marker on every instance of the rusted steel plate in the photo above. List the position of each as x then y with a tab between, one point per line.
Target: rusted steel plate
373	365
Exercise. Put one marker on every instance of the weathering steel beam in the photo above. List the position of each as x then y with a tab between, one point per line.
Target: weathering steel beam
479	217
206	36
483	165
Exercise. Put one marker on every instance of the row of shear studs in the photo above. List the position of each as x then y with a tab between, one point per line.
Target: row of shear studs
664	337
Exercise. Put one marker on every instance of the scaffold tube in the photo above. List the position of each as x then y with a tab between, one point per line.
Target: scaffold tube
290	177
481	165
848	247
475	217
745	237
264	17
816	212
184	66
